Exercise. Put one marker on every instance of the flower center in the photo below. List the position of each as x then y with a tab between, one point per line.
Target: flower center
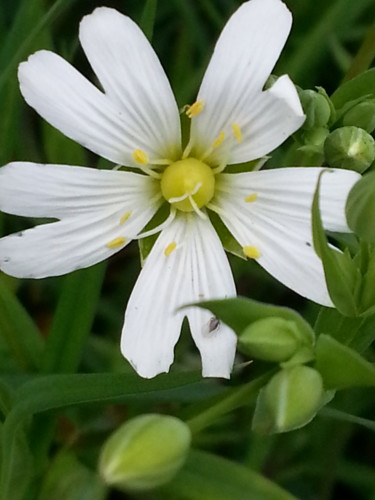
188	184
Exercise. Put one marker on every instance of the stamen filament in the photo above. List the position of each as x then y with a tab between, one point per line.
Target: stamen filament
160	227
199	212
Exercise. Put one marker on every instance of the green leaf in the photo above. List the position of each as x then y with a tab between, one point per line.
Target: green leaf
361	85
19	330
240	312
340	366
73	319
360	208
69	479
214	478
340	272
59	391
148	18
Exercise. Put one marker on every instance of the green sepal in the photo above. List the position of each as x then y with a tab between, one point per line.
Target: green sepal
340	366
342	275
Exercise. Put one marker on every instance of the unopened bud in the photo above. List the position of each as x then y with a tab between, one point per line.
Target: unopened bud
361	115
350	148
316	107
293	397
271	339
145	452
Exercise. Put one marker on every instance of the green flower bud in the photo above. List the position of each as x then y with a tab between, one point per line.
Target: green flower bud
316	107
271	339
316	136
351	148
293	397
361	115
145	452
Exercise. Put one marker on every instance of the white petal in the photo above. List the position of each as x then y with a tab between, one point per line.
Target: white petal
38	190
278	223
153	320
90	221
244	56
211	279
133	78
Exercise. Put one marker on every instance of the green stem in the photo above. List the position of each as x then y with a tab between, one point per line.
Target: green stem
234	399
364	56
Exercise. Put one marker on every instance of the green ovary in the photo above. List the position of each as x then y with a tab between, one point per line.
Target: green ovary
187	180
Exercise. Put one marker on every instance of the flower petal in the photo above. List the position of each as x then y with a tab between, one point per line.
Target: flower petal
231	91
38	190
97	208
174	274
211	279
134	79
276	220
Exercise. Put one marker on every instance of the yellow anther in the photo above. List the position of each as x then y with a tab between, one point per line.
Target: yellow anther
237	132
251	252
252	197
125	217
219	140
117	242
169	249
140	157
194	109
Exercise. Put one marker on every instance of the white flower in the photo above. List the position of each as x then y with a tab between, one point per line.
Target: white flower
135	122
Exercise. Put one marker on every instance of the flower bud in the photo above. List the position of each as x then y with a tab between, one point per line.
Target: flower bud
145	452
351	148
361	115
316	107
293	397
271	339
315	137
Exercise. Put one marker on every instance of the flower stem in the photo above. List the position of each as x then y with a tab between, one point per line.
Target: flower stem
232	400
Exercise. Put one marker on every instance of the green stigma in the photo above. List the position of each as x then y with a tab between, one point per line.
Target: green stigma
188	184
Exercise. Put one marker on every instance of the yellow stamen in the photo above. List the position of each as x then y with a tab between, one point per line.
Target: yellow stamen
194	109
219	140
140	157
252	197
125	217
117	242
169	249
251	252
237	132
